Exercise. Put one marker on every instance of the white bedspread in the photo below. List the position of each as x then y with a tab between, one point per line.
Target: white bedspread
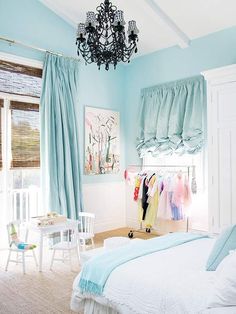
173	281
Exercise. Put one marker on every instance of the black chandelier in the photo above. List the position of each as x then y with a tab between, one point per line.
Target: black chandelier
102	38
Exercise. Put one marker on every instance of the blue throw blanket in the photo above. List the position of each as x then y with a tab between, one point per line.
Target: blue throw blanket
97	270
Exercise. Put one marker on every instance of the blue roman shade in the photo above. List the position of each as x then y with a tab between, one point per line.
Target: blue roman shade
171	118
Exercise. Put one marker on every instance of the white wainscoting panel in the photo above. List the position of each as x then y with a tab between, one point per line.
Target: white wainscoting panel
107	202
131	208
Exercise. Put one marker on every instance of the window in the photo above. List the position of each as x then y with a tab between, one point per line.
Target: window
1	106
186	159
20	88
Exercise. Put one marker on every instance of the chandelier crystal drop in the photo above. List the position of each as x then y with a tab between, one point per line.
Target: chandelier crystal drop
102	38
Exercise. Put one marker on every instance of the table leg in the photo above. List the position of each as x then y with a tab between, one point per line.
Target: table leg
41	252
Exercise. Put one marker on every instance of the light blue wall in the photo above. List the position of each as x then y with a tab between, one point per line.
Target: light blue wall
103	89
215	50
32	23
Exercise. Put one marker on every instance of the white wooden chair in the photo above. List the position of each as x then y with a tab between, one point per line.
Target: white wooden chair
86	228
67	246
20	253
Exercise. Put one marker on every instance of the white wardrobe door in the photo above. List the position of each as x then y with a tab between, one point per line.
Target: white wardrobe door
222	157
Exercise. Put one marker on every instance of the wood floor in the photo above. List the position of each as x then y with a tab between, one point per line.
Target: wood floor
48	292
99	238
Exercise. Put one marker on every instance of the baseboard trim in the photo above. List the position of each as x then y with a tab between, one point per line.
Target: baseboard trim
131	222
108	225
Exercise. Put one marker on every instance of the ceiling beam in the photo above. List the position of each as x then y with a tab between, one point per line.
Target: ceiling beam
57	10
182	38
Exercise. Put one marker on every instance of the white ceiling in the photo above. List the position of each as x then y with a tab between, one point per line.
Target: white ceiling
162	23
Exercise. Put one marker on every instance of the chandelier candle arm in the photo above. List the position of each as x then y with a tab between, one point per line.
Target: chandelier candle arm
102	38
119	18
81	30
91	19
133	28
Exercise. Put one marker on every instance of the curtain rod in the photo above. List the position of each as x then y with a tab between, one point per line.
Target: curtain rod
19	43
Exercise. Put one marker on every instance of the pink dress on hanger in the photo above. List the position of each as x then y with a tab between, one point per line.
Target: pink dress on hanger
164	209
187	194
179	191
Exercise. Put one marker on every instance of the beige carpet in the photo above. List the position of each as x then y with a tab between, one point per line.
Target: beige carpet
48	292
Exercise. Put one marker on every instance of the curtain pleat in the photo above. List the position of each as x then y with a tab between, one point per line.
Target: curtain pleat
60	163
171	118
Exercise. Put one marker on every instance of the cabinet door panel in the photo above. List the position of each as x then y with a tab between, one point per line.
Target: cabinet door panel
224	193
233	163
222	158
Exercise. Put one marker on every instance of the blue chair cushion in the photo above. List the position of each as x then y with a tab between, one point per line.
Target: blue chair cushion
225	242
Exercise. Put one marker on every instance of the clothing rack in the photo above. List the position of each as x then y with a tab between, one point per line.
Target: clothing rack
187	168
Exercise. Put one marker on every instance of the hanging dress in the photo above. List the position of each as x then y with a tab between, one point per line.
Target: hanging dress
177	198
137	187
164	209
148	201
153	199
187	194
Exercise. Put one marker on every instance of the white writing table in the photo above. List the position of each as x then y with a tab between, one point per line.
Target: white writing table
45	230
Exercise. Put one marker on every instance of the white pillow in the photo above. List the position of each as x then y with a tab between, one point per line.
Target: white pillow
224	291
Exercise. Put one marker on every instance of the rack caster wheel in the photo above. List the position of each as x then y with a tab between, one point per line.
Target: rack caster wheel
148	230
131	234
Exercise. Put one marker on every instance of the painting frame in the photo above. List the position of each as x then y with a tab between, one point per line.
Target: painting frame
101	141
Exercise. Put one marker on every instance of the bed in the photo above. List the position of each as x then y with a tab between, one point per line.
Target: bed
172	281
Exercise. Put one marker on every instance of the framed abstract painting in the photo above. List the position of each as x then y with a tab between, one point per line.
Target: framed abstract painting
102	141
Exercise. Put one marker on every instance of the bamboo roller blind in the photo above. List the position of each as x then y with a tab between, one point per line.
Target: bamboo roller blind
25	135
19	68
20	79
